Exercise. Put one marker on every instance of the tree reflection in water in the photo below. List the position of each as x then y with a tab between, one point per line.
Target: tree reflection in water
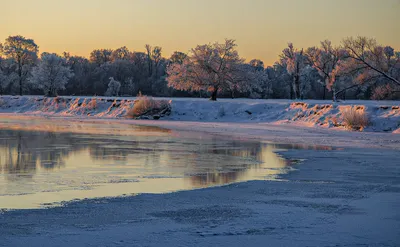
203	161
51	161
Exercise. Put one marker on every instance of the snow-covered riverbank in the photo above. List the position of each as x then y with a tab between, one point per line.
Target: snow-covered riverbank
384	115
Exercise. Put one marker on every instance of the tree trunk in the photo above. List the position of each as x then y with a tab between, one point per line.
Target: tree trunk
291	92
20	78
324	95
20	86
214	94
296	86
334	94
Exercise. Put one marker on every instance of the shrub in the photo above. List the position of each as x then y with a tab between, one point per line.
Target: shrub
385	92
92	104
147	106
57	99
113	88
83	104
355	118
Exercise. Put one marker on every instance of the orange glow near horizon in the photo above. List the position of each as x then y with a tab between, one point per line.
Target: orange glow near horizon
262	28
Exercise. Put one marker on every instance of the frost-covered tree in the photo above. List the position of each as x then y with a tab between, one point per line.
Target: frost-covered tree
122	53
100	56
51	74
295	62
81	82
23	53
130	86
281	80
121	70
9	77
307	78
325	60
178	57
3	82
385	92
3	78
113	87
213	67
247	80
369	64
257	64
374	60
261	86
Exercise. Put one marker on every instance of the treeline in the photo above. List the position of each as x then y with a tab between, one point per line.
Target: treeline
358	68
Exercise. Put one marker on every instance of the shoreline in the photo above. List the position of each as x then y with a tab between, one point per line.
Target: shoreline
384	116
268	132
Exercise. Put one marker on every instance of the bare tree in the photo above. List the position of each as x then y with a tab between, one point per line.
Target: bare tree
156	57
149	59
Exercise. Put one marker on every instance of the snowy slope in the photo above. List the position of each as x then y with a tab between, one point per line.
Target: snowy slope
384	115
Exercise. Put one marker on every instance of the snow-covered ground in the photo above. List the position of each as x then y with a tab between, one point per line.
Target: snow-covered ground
384	115
344	197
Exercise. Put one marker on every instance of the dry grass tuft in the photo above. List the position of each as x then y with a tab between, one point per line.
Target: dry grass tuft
147	106
355	118
92	104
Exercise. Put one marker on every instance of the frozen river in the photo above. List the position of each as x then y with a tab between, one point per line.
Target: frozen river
252	193
46	162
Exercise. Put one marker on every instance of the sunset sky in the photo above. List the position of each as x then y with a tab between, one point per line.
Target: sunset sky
262	28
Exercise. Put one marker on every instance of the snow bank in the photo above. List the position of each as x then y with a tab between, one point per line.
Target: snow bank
66	106
383	115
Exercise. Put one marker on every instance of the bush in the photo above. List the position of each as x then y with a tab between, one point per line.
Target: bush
57	99
148	106
113	88
355	118
92	104
385	92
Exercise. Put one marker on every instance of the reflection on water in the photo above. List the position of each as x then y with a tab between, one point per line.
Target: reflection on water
39	167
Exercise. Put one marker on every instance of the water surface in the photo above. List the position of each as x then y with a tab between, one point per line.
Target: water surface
45	162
